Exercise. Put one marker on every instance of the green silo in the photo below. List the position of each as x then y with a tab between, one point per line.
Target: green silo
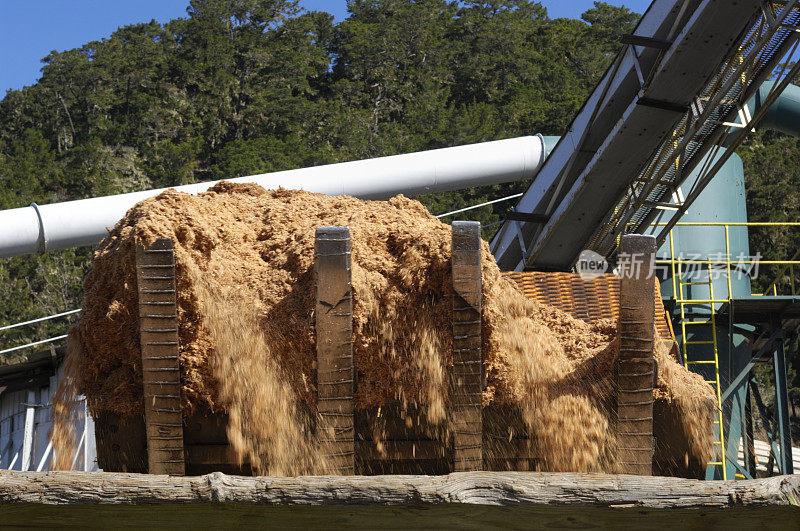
723	201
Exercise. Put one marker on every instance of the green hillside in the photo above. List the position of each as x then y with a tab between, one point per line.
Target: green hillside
239	87
249	86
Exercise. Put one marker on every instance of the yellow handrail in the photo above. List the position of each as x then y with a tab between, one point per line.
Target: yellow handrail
789	264
728	261
677	265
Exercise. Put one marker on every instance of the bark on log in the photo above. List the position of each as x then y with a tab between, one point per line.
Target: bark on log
480	488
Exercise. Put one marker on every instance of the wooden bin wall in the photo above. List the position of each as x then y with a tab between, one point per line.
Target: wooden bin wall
122	445
388	441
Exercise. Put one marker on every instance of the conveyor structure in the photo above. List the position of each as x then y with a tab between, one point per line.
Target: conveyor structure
674	94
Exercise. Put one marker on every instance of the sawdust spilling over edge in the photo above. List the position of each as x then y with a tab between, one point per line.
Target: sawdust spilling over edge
265	422
65	401
253	249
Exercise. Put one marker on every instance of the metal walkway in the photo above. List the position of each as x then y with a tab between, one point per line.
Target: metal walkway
675	93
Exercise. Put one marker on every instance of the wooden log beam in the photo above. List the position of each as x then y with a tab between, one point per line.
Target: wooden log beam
636	366
161	376
480	488
466	378
334	331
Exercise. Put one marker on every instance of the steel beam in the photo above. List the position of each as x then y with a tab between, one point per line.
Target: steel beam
588	172
769	428
745	372
782	409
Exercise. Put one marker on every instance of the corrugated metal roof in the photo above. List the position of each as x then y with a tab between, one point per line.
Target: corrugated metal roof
37	368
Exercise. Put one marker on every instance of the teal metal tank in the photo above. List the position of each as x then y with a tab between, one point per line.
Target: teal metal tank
722	201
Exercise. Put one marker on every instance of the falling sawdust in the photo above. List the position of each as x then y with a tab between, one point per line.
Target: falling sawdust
65	401
266	424
245	275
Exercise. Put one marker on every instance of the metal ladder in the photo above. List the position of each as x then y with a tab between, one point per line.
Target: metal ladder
689	319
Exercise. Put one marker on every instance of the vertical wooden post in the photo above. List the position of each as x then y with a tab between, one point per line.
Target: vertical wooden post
334	330
636	366
466	379
161	377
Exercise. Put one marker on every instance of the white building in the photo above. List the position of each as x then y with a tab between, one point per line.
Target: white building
26	391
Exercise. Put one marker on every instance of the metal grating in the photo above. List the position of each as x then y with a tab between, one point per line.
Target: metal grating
655	118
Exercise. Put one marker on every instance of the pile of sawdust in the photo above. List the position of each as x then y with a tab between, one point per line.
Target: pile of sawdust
250	250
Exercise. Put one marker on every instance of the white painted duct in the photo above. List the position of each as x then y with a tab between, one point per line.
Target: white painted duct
56	226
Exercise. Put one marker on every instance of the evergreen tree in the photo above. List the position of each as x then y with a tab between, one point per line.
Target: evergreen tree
239	87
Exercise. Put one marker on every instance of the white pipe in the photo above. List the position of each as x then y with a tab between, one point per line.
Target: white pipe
40	319
40	228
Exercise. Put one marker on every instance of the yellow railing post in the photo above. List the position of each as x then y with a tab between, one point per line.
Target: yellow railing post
672	264
716	374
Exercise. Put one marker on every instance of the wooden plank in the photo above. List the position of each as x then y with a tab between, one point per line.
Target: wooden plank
121	443
334	331
504	422
479	488
158	332
395	421
210	454
466	377
399	450
204	427
636	366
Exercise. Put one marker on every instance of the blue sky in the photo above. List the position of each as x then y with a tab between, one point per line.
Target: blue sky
30	29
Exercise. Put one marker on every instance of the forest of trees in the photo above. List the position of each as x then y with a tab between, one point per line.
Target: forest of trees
238	87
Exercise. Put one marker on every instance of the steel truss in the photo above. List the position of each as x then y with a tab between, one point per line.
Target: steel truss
718	117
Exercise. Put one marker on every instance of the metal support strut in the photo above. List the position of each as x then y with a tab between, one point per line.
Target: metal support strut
782	409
